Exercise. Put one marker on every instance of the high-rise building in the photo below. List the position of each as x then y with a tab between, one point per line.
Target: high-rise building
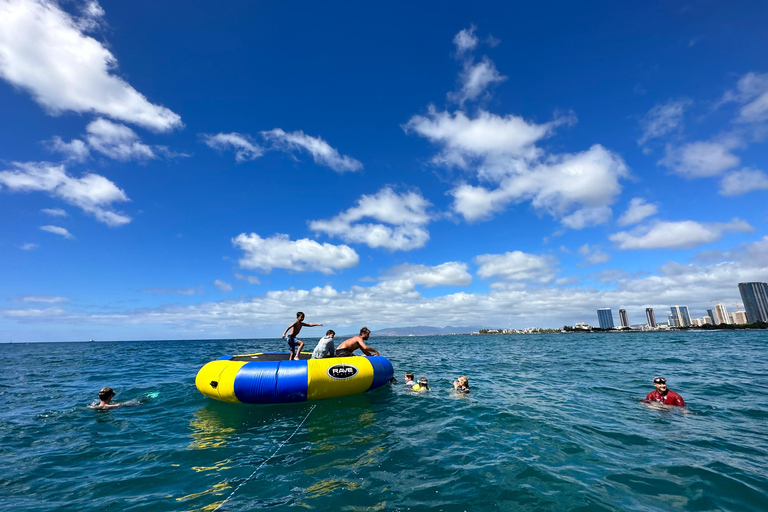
623	318
739	317
755	298
681	315
672	320
721	312
605	318
651	317
712	317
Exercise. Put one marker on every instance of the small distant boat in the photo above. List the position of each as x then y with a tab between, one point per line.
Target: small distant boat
90	341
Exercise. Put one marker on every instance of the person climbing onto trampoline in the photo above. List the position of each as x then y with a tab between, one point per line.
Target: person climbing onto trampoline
324	347
348	347
295	328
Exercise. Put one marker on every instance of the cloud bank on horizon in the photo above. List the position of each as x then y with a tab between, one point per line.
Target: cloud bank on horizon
387	196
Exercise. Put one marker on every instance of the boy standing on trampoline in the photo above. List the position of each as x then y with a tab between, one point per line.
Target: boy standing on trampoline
294	344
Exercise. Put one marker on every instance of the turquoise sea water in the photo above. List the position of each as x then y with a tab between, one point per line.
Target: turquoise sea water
554	422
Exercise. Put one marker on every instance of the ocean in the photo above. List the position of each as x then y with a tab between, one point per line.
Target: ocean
553	423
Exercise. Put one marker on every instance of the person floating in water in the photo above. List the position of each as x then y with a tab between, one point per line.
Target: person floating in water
324	347
105	397
461	385
410	379
347	347
663	394
422	386
295	328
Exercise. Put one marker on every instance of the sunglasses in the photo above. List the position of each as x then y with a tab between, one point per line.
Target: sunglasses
659	381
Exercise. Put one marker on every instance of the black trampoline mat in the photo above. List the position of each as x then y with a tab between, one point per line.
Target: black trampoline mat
270	357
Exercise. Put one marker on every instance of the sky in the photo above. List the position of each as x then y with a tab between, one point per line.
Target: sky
204	170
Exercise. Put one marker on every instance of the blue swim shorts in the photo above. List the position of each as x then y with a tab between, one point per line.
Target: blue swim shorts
291	341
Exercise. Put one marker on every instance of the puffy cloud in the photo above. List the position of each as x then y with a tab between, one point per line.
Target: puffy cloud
517	266
452	273
321	151
117	141
93	193
740	182
574	187
54	212
406	213
44	51
663	119
302	255
701	159
465	40
245	148
57	230
475	79
74	150
677	235
221	285
637	210
752	92
593	254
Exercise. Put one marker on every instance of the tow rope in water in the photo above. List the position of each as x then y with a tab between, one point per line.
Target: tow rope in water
267	460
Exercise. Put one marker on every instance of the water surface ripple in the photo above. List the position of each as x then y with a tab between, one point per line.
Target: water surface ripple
554	422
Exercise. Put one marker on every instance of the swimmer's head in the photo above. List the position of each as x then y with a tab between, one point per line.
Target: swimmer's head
409	376
106	394
463	381
660	383
423	383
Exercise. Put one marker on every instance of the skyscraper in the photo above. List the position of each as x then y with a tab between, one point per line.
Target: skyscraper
721	312
605	318
651	317
712	317
624	318
683	319
755	298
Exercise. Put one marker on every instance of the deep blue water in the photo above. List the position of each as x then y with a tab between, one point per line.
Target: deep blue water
554	422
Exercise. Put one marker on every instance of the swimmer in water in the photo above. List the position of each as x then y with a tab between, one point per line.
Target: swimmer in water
461	385
409	379
105	396
422	386
663	394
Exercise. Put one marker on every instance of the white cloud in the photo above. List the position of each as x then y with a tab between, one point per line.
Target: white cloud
465	40
752	92
745	180
57	230
677	235
117	141
517	266
577	188
321	151
406	213
452	273
248	279
74	150
245	148
173	291
475	79
701	159
221	285
54	212
302	255
663	119
593	254
43	298
28	247
637	210
44	51
93	193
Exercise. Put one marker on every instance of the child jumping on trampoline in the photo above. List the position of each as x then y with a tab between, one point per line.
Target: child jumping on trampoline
294	344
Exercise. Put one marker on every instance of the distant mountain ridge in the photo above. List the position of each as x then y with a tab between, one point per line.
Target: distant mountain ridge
424	330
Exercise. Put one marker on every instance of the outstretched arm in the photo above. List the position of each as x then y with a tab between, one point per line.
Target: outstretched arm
369	351
312	325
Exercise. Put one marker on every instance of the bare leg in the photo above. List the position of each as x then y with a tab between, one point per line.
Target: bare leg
290	357
299	348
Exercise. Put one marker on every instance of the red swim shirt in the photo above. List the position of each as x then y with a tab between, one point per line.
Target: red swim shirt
671	398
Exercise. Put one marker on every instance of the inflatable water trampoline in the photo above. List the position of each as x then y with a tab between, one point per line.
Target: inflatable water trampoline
270	378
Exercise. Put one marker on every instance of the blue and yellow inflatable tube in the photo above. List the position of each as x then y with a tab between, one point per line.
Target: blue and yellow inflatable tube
272	379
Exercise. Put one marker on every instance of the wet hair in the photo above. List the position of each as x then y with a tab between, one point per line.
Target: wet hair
365	330
464	381
300	314
423	382
409	375
106	393
329	332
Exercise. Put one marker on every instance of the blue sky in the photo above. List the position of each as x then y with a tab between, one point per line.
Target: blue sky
197	170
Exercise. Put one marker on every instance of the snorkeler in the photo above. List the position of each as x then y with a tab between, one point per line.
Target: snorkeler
422	386
663	394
